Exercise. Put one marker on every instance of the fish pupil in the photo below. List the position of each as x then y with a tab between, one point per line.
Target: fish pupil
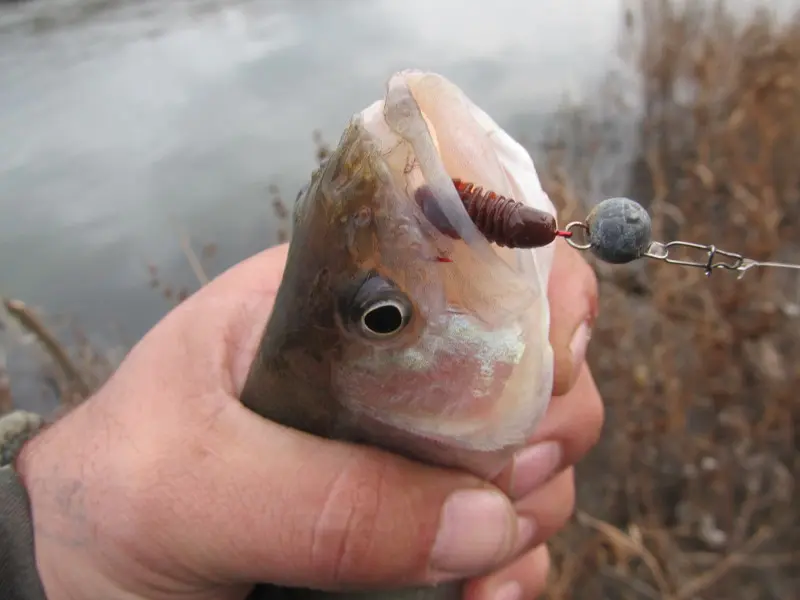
384	319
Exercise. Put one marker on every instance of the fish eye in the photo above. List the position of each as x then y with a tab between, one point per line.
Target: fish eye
385	318
377	308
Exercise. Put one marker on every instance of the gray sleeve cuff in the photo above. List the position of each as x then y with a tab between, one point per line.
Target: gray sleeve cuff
19	578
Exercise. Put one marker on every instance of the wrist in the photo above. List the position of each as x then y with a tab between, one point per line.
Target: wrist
54	473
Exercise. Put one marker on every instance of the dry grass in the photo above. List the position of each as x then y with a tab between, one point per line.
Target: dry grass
695	477
691	492
68	367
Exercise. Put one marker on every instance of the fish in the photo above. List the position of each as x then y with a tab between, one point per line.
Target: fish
397	323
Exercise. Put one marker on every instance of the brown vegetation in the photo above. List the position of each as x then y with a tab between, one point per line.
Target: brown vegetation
691	491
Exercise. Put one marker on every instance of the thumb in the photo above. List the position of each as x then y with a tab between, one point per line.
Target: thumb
309	512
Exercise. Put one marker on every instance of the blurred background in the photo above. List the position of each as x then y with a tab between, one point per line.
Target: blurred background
146	146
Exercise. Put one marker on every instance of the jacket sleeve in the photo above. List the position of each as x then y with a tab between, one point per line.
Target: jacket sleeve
19	579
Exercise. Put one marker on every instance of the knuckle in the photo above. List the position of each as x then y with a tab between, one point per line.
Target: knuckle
531	572
552	505
583	273
343	529
574	300
588	281
536	584
535	577
594	412
362	536
580	418
559	512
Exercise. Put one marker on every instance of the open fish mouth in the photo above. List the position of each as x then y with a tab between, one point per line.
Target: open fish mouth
450	138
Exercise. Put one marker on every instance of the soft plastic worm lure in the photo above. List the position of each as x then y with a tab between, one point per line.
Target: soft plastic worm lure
502	220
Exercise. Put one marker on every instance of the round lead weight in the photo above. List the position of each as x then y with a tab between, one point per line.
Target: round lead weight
619	230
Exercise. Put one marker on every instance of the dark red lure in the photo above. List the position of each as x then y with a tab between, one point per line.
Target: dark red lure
502	221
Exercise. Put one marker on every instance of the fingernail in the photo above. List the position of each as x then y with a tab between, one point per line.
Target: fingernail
578	345
510	590
476	530
533	466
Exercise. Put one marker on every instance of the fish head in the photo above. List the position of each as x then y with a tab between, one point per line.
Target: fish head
397	321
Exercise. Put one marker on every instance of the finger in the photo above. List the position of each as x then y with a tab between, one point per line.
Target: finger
568	431
524	579
573	297
574	420
226	318
300	511
550	508
244	295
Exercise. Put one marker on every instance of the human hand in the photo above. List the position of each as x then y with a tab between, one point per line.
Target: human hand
162	485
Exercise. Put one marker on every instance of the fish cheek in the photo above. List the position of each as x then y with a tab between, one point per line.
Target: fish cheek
464	383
